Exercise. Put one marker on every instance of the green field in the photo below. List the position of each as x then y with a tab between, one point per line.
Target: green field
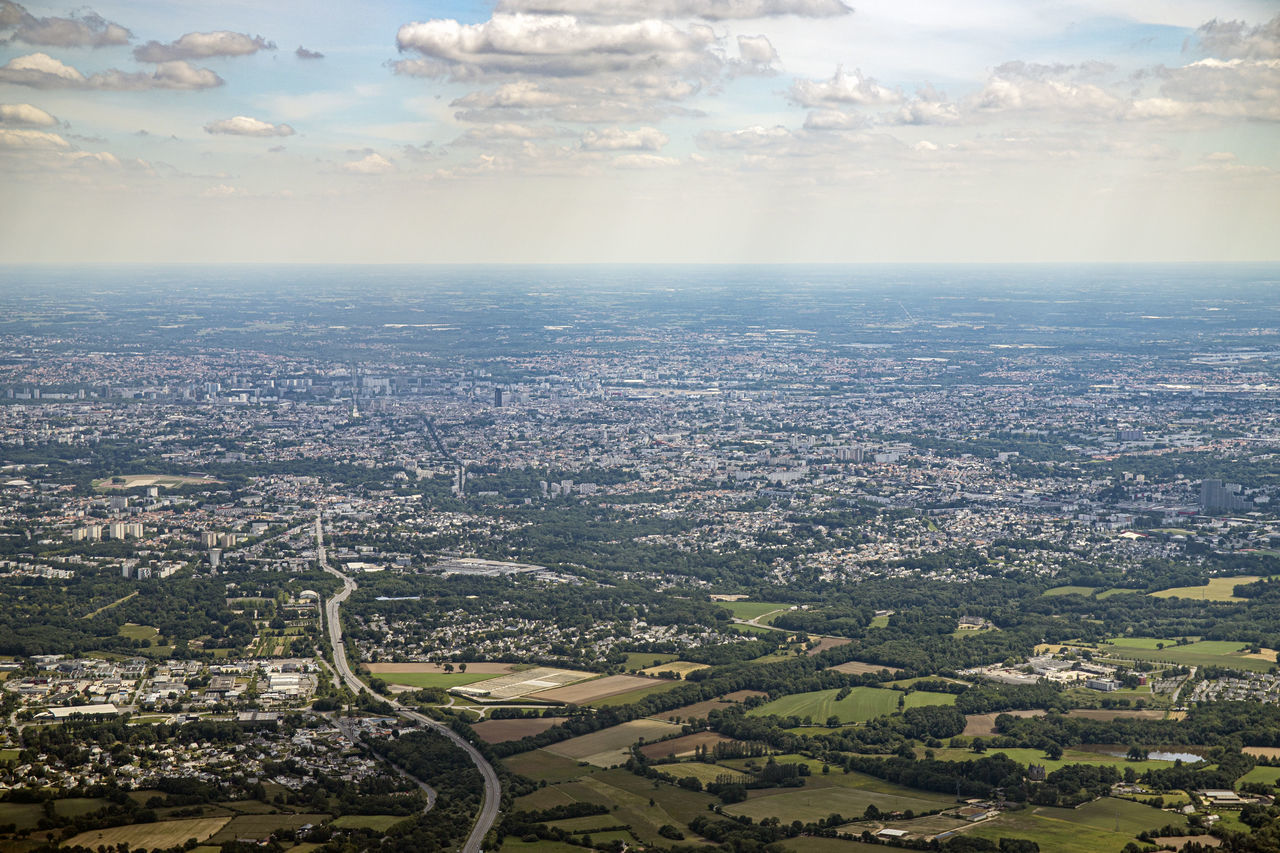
377	822
862	704
1267	775
1088	829
1069	756
27	815
1069	590
1218	589
1116	590
753	609
879	622
542	766
703	772
138	632
434	679
262	825
813	803
1201	653
641	660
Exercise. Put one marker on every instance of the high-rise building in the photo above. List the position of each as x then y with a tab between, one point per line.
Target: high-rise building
497	397
1216	495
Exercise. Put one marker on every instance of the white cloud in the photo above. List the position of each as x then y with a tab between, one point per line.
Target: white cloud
41	71
371	164
617	139
1237	40
31	139
644	161
555	46
833	120
523	94
84	30
202	46
756	136
246	126
843	89
712	10
757	50
25	114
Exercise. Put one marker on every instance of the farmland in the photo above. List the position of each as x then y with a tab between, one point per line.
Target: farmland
653	687
857	667
681	667
1069	756
1218	589
611	746
682	746
544	766
517	685
1087	829
594	689
1200	653
497	731
260	826
862	704
701	709
162	834
816	802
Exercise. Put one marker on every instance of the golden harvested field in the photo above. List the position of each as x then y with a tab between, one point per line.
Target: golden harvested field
985	724
494	668
1262	751
590	691
857	667
612	745
165	833
497	731
682	746
683	667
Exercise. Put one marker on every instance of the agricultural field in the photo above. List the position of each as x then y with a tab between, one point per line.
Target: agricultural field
642	660
544	766
1266	775
260	826
701	709
443	680
930	826
377	822
138	632
862	704
1201	653
829	845
828	643
753	610
1068	590
857	667
161	834
590	691
1069	756
1087	829
681	747
1218	589
682	667
983	725
1116	590
612	745
498	731
653	687
703	772
27	815
814	802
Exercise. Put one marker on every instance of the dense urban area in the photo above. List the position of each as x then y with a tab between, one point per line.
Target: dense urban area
557	559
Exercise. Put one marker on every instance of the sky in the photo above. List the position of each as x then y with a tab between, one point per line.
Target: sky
670	131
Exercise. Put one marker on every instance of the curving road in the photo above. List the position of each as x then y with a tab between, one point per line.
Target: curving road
492	787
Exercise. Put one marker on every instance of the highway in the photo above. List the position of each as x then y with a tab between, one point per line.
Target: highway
492	787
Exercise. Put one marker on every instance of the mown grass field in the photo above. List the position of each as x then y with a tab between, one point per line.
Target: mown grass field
1200	653
641	660
682	667
1088	829
1069	590
378	822
27	815
1069	756
612	745
812	803
1267	775
862	704
260	826
138	632
543	766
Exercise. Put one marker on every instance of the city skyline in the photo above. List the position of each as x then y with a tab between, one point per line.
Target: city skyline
683	131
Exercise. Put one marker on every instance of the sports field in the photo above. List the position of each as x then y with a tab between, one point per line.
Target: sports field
159	835
754	609
862	704
612	745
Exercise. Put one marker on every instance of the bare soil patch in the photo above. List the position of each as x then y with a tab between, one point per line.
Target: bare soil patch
857	667
829	643
590	691
497	731
985	724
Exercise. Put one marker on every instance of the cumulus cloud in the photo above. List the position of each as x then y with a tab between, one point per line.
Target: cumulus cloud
618	139
41	71
843	89
503	132
246	126
1026	86
303	53
644	161
84	30
711	10
1237	40
371	164
833	120
523	94
551	45
202	46
28	139
756	136
25	114
757	50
